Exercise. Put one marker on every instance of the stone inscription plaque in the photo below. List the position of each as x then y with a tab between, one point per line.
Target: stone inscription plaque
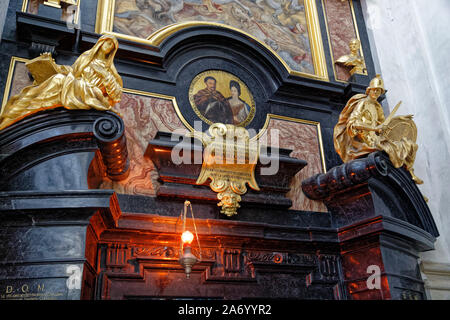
33	289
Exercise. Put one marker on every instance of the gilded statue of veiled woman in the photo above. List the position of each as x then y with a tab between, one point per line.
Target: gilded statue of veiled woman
362	129
91	82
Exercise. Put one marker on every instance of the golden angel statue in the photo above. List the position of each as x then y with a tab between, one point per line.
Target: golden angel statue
362	129
91	82
353	60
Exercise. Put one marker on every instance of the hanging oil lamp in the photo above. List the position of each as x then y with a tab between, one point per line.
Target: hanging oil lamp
187	258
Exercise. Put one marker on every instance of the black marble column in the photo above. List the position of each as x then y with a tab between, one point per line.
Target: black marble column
50	221
48	242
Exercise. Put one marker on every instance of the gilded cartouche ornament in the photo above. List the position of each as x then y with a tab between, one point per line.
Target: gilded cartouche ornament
353	60
229	161
92	82
362	129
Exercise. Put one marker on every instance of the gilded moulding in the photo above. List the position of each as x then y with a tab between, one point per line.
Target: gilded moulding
304	121
105	22
229	160
10	77
355	27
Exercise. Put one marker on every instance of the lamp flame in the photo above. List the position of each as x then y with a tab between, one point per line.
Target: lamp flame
187	237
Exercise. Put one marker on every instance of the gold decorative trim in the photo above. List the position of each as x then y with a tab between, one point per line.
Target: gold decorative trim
77	14
105	21
215	74
315	39
355	27
162	96
304	121
10	76
105	17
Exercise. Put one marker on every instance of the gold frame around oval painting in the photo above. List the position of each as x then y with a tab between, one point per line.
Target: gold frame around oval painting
223	80
105	21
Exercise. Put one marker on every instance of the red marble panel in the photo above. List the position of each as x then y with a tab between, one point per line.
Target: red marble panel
303	139
355	265
143	116
341	30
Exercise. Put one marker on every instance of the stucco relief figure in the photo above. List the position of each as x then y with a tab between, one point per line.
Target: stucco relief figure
212	104
239	107
353	61
92	82
362	129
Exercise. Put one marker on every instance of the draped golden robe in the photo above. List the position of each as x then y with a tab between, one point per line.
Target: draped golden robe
352	143
91	82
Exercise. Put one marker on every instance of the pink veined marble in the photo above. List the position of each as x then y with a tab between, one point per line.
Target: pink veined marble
303	139
342	29
143	117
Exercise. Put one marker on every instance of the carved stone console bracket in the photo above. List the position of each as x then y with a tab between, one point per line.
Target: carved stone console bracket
179	180
109	131
383	222
64	142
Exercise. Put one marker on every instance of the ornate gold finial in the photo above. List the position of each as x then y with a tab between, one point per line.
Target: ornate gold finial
229	161
91	82
362	129
353	60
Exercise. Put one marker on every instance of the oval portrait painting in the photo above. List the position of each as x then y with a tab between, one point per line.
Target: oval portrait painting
219	96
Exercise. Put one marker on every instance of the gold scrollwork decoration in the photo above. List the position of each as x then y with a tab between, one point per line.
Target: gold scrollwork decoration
229	161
